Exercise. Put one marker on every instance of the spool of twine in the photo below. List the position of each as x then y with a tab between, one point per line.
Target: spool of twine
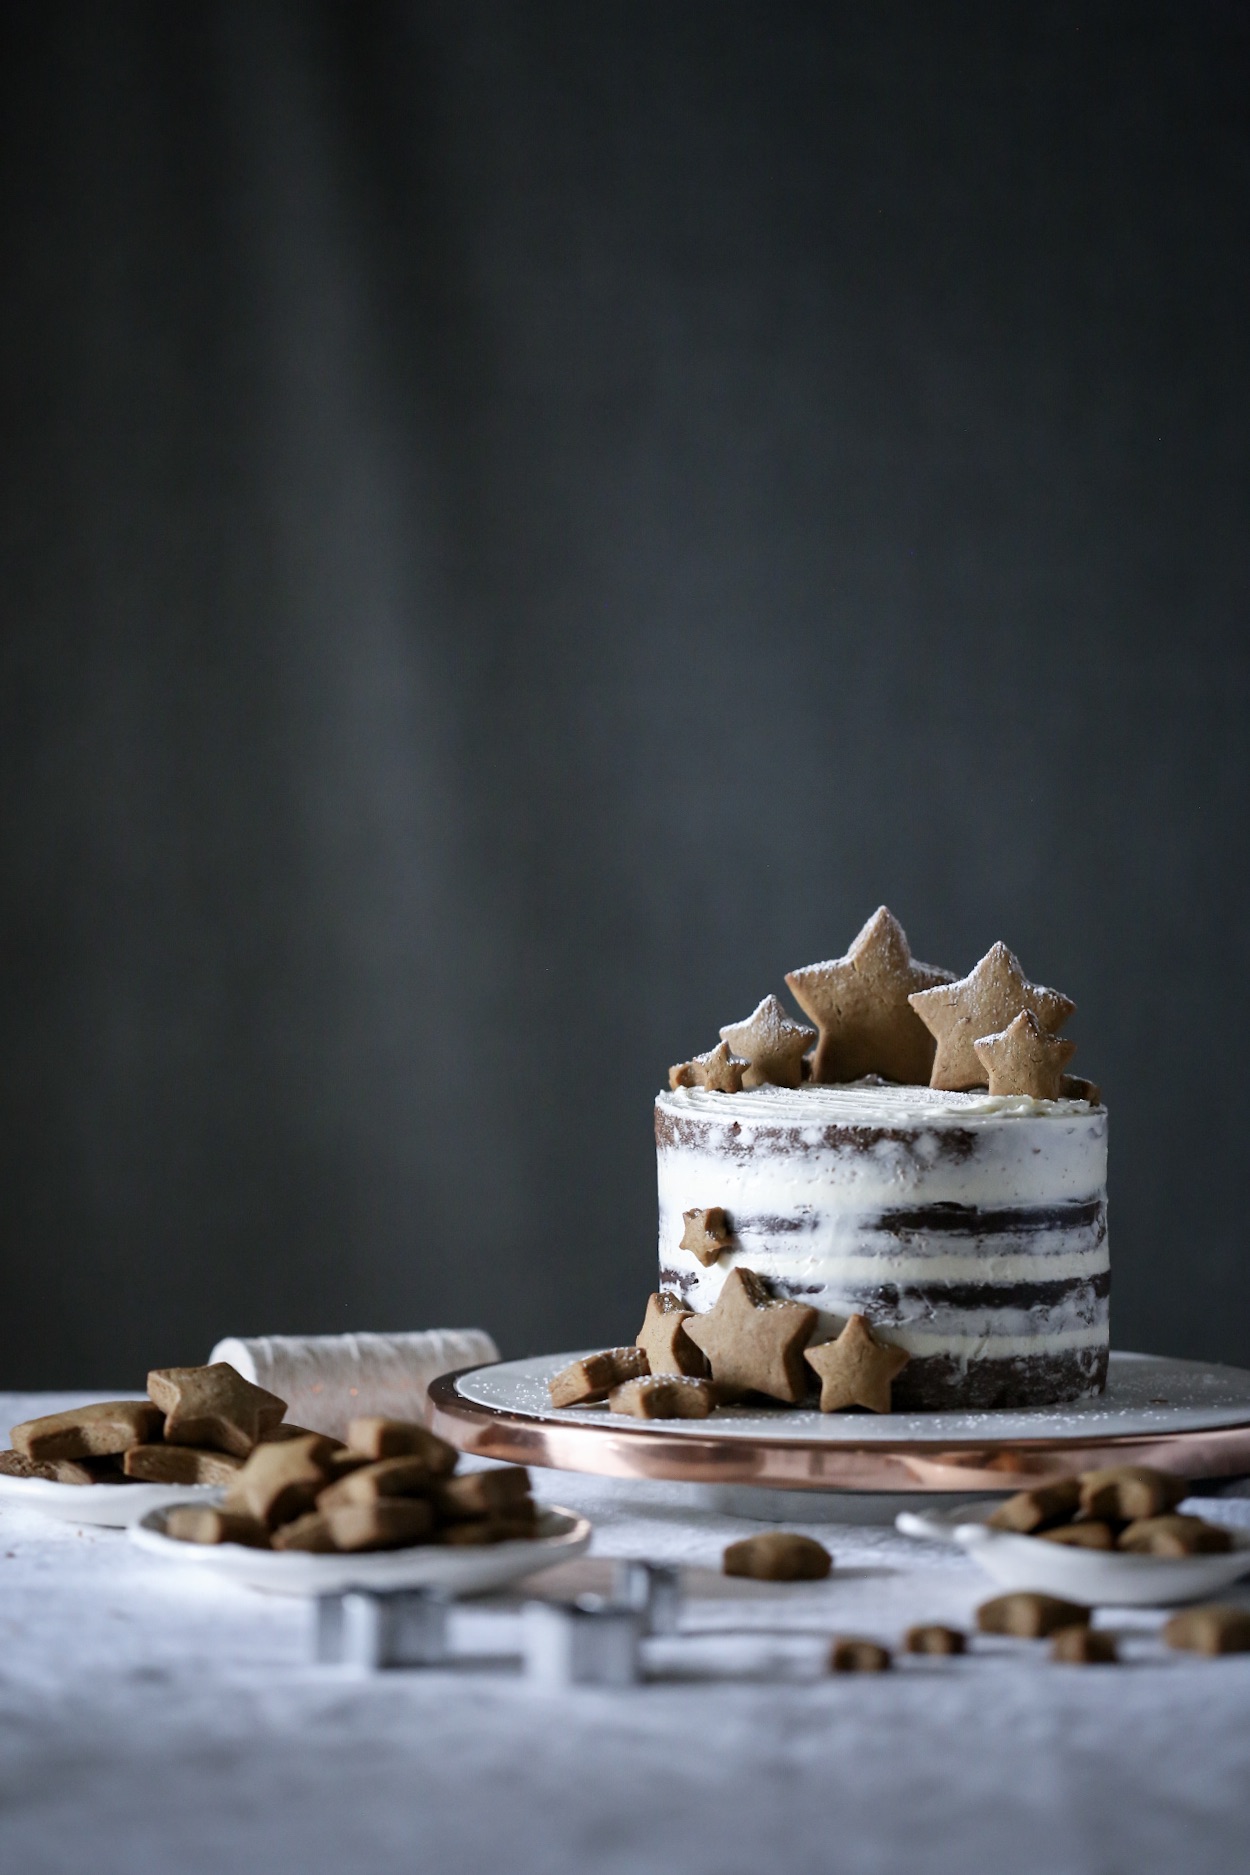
327	1380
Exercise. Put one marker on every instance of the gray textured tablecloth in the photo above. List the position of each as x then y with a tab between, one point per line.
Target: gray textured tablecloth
152	1718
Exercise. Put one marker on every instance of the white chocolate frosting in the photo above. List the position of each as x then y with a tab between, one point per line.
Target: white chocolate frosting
965	1226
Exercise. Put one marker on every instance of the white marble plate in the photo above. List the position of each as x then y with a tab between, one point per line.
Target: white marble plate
115	1505
1146	1394
469	1571
1093	1577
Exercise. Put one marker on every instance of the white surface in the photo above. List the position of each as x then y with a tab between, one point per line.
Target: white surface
1081	1575
562	1536
1197	1397
114	1505
157	1719
327	1380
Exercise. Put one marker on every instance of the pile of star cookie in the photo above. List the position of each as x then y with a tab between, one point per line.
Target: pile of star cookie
391	1485
750	1342
879	1011
683	1365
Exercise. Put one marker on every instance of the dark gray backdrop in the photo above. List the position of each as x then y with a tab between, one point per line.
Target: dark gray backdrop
523	522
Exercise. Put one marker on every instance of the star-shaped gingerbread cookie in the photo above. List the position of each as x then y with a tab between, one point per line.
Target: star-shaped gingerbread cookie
707	1233
754	1341
717	1070
214	1406
856	1369
1024	1059
859	1003
663	1337
980	1004
771	1044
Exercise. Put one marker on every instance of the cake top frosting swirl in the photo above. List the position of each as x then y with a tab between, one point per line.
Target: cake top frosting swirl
865	1103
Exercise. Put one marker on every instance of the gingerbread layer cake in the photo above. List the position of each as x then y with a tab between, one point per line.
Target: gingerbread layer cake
970	1230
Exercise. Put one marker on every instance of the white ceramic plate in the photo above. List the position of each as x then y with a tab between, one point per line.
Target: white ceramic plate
469	1571
116	1505
1094	1577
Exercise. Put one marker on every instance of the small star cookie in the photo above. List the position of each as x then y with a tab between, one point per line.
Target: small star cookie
1023	1059
856	1369
663	1337
980	1004
754	1341
214	1406
707	1233
717	1070
772	1045
859	1003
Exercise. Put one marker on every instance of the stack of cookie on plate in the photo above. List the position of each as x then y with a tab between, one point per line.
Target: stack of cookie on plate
197	1427
391	1486
1125	1507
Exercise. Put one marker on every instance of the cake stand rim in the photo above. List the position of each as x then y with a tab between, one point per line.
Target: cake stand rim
647	1451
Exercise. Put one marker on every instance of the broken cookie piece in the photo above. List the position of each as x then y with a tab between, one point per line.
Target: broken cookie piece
778	1556
17	1465
375	1436
664	1396
196	1523
97	1431
1175	1536
309	1533
1029	1616
1213	1628
107	1470
1125	1493
386	1477
180	1464
1083	1647
586	1382
930	1637
1030	1511
1087	1535
485	1493
390	1523
851	1654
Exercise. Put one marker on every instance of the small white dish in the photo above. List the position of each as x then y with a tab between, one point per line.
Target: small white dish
113	1505
468	1571
1093	1577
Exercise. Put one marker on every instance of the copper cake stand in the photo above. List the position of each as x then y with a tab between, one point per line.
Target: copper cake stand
1196	1424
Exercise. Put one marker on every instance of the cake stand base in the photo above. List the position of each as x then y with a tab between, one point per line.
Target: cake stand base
1181	1416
